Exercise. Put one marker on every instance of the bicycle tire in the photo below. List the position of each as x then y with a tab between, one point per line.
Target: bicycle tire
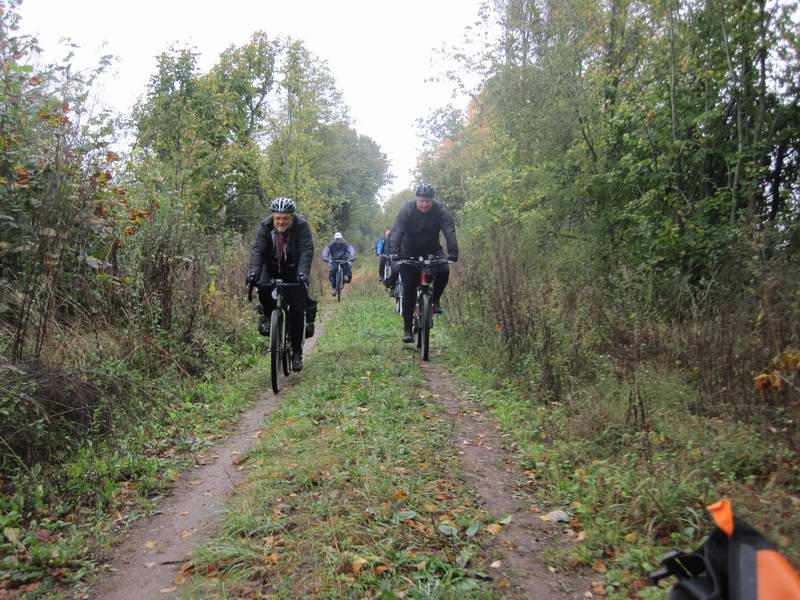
275	348
418	320
339	283
425	326
286	351
398	295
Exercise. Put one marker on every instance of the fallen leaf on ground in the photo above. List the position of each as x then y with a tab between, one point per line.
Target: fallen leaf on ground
598	588
494	528
358	564
401	470
180	580
169	590
43	535
599	566
496	564
212	570
504	584
632	537
581	536
184	514
399	495
151	544
379	569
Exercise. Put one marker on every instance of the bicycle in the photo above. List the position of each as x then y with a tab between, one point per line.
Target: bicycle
339	277
423	307
280	343
395	292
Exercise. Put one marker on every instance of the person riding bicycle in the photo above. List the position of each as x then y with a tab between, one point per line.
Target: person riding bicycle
283	249
415	233
382	252
339	250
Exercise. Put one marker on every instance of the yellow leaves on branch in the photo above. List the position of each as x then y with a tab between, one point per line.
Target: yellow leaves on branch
782	370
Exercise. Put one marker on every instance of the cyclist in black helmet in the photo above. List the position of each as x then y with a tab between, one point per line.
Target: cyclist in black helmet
283	249
415	233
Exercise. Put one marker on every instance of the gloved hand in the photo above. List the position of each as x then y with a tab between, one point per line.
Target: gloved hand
302	278
453	258
250	280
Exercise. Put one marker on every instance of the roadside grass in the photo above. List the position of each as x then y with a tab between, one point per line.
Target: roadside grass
635	468
352	490
56	517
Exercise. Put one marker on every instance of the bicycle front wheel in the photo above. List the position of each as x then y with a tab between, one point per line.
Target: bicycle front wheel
425	326
339	283
276	348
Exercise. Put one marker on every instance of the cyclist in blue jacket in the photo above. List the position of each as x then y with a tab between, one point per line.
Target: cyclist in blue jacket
415	233
339	249
382	252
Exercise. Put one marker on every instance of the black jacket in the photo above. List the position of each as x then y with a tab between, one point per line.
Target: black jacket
417	234
300	254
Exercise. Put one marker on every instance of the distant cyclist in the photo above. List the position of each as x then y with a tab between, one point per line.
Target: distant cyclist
382	252
283	249
339	250
415	233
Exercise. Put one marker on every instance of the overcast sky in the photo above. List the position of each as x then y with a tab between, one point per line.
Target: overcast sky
379	51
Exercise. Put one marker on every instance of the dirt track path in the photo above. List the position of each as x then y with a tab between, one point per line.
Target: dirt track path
502	489
148	562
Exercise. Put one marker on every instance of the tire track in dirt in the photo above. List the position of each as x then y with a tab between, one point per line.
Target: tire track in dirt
148	561
502	489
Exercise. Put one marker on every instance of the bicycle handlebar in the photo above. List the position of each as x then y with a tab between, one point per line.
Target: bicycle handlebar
427	262
274	283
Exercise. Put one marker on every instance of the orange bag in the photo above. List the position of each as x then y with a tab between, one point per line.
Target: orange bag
736	562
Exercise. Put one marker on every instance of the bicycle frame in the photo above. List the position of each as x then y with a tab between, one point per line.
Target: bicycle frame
280	342
423	306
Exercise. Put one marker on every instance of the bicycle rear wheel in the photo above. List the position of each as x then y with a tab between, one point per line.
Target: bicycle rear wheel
276	348
425	326
398	291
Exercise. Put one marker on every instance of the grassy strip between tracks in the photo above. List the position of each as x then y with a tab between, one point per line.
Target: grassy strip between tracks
352	490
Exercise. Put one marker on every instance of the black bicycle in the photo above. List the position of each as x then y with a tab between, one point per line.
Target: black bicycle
423	308
339	285
280	343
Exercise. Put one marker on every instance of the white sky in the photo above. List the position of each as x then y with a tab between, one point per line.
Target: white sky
380	52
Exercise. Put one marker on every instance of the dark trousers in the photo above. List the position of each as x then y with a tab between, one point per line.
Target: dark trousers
296	297
348	274
410	275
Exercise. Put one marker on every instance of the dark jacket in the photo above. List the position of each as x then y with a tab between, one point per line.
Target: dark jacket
417	234
300	252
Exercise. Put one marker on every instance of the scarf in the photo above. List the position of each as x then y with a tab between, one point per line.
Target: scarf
280	249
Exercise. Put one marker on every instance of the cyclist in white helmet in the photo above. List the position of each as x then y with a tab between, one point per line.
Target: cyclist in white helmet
339	249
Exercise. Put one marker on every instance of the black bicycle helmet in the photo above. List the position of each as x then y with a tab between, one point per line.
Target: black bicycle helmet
282	205
425	190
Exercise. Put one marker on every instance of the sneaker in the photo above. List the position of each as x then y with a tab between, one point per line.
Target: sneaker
437	310
297	361
333	292
408	337
263	326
